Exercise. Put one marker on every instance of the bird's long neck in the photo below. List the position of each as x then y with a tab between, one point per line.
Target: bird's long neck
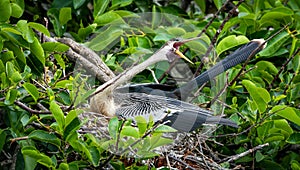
233	59
127	75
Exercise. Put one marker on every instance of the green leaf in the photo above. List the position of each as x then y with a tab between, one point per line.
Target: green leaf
259	95
142	124
275	44
65	15
276	14
44	136
287	112
11	96
72	123
5	10
259	156
94	155
177	31
27	33
58	115
53	13
78	3
108	17
130	131
120	3
32	90
159	141
39	27
3	139
113	127
37	50
36	156
17	11
294	138
105	39
230	42
55	47
99	7
9	69
16	77
63	166
164	129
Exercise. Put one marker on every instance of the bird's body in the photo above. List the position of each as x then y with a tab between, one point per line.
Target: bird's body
162	105
180	115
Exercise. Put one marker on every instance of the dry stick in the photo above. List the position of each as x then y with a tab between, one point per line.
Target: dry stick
283	67
100	70
199	35
235	157
28	109
181	161
230	14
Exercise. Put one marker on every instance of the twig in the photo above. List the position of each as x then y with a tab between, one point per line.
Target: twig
283	67
238	156
182	162
28	109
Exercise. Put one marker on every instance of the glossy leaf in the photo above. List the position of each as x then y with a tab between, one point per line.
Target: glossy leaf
107	18
5	10
99	7
39	27
142	124
160	141
37	157
287	112
17	10
37	50
130	131
44	136
120	3
11	96
275	44
27	33
164	129
105	39
78	3
113	127
259	95
294	138
230	42
32	90
58	115
65	15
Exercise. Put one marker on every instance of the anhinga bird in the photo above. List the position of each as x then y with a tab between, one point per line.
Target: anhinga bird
180	115
182	93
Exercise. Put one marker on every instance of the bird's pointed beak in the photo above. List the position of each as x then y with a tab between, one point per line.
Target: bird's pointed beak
182	56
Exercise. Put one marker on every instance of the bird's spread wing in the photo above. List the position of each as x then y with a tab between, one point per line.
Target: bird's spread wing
180	115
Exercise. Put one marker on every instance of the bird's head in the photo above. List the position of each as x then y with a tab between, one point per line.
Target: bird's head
174	45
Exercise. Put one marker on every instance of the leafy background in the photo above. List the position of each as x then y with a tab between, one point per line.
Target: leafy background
39	92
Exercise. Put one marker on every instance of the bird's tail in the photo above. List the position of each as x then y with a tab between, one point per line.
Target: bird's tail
187	121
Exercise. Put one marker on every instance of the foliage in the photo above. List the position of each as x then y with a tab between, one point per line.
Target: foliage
41	99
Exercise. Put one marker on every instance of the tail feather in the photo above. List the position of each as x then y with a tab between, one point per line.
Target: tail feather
187	121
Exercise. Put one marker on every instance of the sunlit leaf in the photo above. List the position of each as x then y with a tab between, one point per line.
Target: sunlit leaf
259	95
287	112
32	90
